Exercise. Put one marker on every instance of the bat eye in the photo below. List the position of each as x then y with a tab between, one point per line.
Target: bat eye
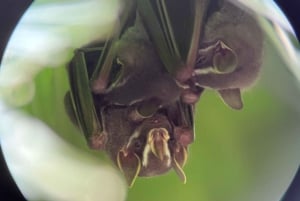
138	145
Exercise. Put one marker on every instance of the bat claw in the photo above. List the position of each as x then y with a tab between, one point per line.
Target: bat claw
98	141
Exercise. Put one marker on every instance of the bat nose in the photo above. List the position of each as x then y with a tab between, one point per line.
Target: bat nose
158	139
157	143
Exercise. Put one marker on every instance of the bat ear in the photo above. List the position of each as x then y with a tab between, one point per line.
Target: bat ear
178	161
130	166
232	97
226	60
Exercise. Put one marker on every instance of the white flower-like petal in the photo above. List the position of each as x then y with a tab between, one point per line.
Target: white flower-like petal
47	168
43	165
267	9
46	37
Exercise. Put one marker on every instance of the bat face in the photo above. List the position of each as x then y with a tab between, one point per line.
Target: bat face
149	145
145	147
134	97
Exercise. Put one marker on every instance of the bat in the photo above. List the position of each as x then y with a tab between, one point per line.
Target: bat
230	53
133	96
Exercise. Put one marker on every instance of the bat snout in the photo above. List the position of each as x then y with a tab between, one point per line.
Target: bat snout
157	145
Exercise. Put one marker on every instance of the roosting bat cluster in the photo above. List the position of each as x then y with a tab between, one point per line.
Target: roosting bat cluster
134	95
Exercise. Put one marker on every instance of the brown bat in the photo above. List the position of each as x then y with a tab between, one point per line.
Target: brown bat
230	53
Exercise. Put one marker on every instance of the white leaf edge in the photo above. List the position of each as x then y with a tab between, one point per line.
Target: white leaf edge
278	29
46	36
43	165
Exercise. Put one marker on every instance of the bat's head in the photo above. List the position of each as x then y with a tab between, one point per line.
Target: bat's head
152	150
